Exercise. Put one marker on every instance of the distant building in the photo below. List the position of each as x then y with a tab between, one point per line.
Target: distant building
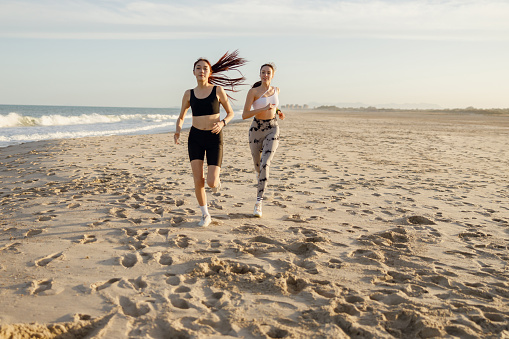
295	106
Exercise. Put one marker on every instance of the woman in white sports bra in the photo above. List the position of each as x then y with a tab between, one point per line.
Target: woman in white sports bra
264	131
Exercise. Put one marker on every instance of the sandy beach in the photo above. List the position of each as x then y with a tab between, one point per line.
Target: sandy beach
375	225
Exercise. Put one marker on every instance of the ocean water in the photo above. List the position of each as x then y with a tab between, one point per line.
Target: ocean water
21	124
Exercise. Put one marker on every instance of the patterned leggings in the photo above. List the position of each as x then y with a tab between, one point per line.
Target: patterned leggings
263	141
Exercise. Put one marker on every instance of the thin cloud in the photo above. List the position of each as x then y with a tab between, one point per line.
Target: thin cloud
79	19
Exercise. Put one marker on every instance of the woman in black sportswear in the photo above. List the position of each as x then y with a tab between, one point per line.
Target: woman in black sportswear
205	136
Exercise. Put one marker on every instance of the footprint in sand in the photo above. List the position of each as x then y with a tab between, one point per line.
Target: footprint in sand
33	232
130	232
178	302
133	309
295	218
365	256
143	236
129	260
214	243
139	283
182	289
177	220
279	204
420	220
276	332
165	259
308	265
46	217
98	223
177	202
249	228
428	234
87	239
119	212
39	286
11	247
136	245
102	285
173	279
335	263
163	231
46	260
390	298
181	241
158	210
304	249
303	230
44	287
213	299
295	285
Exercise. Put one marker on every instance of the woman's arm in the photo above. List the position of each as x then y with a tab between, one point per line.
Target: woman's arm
248	113
183	110
223	99
278	111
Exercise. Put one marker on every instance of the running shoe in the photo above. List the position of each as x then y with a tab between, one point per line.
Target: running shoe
205	220
258	210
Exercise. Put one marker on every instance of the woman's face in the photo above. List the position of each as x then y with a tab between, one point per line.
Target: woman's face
202	70
266	73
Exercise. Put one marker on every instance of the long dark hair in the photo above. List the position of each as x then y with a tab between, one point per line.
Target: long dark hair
271	65
228	62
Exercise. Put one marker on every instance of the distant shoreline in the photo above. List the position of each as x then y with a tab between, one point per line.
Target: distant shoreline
502	112
468	110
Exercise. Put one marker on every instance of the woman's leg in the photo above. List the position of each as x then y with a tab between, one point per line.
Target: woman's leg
256	144
213	176
214	159
199	189
199	182
270	144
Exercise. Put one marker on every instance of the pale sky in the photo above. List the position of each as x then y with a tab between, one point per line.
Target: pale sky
140	53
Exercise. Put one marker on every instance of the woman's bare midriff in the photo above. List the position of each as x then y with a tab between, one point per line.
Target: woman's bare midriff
205	122
266	115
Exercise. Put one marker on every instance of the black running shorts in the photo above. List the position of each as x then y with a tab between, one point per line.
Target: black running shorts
202	142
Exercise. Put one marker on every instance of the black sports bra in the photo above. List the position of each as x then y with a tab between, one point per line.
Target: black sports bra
205	106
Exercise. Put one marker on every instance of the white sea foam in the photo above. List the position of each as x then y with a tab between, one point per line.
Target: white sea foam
79	134
19	124
18	120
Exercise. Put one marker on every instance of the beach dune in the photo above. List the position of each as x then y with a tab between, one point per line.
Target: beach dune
375	225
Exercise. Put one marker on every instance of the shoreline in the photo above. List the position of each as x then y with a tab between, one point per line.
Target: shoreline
374	225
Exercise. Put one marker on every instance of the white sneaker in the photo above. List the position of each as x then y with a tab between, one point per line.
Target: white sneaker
216	189
205	220
258	210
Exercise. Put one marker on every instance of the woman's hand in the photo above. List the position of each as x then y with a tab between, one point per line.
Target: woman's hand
281	114
176	136
218	126
269	107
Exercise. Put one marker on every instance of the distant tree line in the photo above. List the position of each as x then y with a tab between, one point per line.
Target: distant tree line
453	110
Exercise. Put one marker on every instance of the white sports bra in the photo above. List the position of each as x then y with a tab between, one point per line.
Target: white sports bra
262	101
